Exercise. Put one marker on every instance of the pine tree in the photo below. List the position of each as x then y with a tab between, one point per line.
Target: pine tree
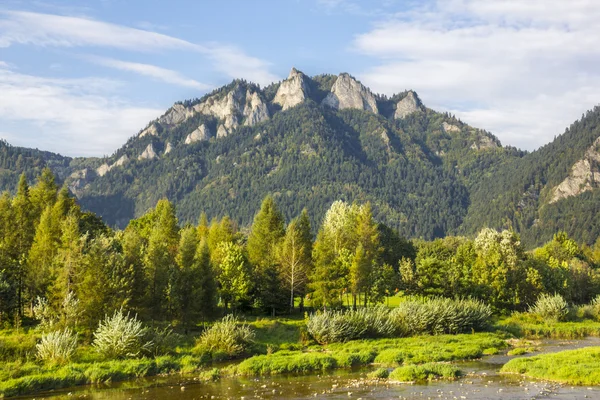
205	295
265	236
160	259
43	194
22	239
41	259
186	282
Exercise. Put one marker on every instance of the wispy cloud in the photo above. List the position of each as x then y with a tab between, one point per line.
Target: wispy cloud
523	69
153	71
72	116
29	28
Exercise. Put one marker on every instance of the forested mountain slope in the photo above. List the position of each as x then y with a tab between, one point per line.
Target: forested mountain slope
310	141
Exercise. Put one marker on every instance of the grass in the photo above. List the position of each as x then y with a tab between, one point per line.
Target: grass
425	372
572	367
31	377
535	327
384	352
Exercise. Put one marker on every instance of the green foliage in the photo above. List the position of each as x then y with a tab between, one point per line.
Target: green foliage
571	367
425	372
120	336
379	373
441	315
57	347
550	307
225	339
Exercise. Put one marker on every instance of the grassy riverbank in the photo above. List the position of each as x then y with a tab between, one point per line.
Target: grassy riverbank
573	367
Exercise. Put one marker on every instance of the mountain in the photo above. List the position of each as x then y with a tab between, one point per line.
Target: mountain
312	140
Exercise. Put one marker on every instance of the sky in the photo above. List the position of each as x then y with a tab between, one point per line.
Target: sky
81	77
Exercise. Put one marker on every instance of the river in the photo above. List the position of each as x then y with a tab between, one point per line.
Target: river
481	381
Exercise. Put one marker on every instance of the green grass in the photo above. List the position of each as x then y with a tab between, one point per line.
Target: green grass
425	372
386	352
535	327
572	367
32	377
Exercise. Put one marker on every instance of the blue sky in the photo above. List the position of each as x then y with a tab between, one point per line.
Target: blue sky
80	77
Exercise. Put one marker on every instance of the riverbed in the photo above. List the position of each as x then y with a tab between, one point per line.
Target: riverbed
481	381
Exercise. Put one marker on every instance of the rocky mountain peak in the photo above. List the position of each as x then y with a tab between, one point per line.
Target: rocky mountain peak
408	105
347	92
148	153
292	91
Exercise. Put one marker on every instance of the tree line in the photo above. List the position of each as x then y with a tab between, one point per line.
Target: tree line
54	256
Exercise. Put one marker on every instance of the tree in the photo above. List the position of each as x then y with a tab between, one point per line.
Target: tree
42	254
22	239
295	256
43	194
187	278
234	275
205	296
267	231
159	259
265	236
69	260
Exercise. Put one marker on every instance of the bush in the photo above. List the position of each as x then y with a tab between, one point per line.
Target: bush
412	317
441	315
425	372
121	336
380	373
226	339
57	347
339	326
554	308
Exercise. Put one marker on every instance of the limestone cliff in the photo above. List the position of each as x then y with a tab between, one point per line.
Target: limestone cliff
148	153
408	105
584	175
200	134
347	92
292	91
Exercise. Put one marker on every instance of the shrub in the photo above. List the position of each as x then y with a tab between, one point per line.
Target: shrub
379	373
339	326
120	336
57	347
226	338
441	315
411	317
430	371
554	307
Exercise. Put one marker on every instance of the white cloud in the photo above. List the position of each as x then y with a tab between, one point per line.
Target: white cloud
162	74
79	117
29	28
522	69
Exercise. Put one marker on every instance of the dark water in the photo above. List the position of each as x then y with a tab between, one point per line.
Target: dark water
482	381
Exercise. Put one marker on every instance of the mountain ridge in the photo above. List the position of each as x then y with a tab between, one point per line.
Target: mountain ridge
312	140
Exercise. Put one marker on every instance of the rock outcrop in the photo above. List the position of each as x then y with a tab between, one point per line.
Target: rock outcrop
347	92
103	169
255	110
151	130
222	131
168	148
238	103
449	128
483	142
176	115
408	105
121	161
148	153
584	175
292	91
200	134
78	180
